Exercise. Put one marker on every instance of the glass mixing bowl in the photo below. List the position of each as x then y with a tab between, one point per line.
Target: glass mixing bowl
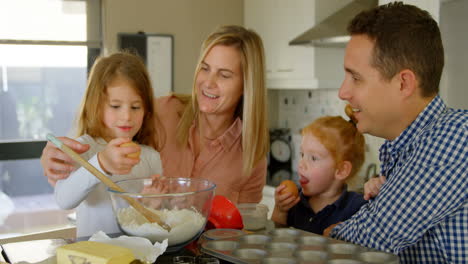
182	203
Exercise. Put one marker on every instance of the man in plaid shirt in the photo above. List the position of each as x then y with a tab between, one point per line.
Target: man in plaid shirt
393	65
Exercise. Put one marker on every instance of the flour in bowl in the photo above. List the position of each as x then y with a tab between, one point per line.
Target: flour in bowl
184	223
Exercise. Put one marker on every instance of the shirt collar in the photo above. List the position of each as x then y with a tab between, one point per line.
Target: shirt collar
229	137
232	134
435	108
340	202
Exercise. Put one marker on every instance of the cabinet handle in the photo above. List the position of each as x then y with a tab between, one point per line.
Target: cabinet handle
285	70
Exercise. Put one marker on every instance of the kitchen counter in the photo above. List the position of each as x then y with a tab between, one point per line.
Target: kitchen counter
45	252
48	241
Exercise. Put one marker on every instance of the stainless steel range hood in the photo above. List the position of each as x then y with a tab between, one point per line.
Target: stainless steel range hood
331	32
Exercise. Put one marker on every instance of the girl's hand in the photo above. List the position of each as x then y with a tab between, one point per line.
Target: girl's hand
284	201
113	159
372	187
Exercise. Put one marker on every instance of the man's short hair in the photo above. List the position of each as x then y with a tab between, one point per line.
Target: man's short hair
405	37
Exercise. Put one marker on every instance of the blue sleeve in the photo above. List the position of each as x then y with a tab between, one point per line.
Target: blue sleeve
430	186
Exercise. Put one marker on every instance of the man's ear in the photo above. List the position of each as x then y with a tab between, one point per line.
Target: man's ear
408	82
343	171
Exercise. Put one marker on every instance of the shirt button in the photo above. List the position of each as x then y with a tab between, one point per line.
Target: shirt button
311	219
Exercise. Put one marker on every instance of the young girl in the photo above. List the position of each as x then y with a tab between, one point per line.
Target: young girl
117	108
332	151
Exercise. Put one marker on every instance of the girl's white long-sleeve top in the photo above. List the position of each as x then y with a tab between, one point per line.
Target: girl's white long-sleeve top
84	190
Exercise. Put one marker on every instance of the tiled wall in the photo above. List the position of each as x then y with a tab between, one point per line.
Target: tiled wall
298	108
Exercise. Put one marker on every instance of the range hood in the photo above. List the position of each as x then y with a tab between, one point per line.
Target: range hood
331	32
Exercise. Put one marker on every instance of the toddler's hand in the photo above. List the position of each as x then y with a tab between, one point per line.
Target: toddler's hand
285	201
372	187
327	231
113	159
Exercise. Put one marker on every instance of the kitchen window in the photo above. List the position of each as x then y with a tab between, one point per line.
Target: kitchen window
45	49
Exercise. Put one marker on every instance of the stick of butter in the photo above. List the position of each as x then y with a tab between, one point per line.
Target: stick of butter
93	252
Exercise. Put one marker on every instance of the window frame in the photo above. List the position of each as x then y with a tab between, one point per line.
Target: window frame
32	149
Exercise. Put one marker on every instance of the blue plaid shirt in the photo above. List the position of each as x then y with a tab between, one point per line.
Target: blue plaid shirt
421	212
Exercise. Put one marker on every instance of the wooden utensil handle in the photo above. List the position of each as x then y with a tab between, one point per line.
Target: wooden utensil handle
150	216
103	178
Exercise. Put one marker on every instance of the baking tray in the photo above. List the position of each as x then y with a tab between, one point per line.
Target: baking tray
292	246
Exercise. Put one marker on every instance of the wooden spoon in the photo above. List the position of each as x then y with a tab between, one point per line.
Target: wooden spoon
150	216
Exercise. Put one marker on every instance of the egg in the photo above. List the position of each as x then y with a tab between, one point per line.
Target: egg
350	113
290	188
134	155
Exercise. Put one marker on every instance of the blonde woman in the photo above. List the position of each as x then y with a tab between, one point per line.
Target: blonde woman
220	132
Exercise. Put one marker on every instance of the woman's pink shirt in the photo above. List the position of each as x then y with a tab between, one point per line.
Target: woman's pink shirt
220	162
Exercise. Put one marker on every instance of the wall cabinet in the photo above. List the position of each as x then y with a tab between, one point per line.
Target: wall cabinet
292	67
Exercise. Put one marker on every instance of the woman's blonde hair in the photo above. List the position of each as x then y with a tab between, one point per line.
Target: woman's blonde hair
105	70
252	108
341	138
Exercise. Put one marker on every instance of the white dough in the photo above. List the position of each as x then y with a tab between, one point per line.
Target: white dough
184	223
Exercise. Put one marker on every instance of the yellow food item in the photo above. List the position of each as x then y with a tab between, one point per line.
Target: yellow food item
93	252
350	113
290	188
134	155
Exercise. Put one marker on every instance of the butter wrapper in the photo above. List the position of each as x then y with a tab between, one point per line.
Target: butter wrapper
141	247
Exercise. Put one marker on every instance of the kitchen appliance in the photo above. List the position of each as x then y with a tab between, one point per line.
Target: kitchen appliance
331	32
280	156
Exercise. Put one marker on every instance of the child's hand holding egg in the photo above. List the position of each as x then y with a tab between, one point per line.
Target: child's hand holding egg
119	156
286	196
134	155
290	187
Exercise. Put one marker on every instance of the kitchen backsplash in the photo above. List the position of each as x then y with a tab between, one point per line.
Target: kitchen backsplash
297	108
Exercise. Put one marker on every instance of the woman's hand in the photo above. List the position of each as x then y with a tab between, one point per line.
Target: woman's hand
56	164
113	159
157	187
372	187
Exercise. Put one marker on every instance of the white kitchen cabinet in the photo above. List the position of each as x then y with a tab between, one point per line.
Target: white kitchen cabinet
290	67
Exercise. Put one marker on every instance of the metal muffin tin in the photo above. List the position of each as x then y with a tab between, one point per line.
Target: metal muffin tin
292	246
